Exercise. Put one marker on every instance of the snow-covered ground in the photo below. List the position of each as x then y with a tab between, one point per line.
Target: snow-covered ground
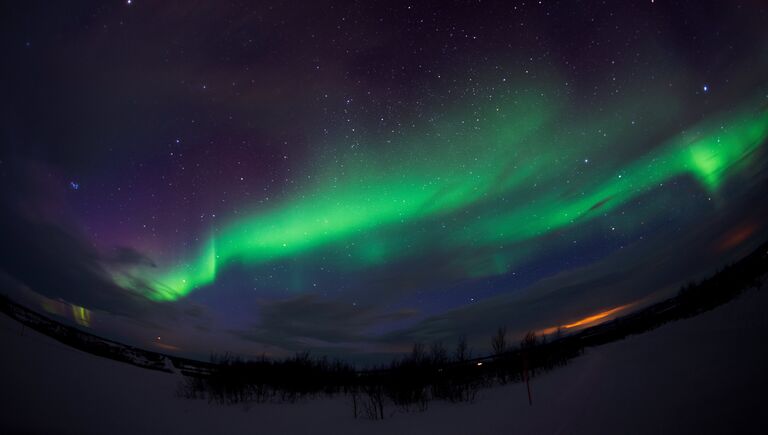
701	375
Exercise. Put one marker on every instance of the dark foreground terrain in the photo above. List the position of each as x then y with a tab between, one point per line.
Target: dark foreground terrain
705	374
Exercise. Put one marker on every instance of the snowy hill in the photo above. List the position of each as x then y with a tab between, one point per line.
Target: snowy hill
701	375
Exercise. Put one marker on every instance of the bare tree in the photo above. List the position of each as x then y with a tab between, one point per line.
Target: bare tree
499	341
418	354
374	406
354	393
438	353
462	350
530	340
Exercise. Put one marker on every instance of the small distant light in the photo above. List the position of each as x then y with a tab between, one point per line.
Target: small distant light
706	88
479	364
74	185
158	338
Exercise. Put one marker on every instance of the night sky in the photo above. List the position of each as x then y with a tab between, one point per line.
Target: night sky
353	177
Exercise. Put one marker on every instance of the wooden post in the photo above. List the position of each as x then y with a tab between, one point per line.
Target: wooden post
527	378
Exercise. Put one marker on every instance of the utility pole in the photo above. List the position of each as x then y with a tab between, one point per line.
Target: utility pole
527	378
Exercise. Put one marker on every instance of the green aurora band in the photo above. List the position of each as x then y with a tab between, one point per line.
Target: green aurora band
504	177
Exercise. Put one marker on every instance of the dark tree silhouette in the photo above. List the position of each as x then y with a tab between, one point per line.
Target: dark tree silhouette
463	352
499	341
410	382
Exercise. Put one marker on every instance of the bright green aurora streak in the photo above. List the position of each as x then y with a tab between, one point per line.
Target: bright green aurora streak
508	171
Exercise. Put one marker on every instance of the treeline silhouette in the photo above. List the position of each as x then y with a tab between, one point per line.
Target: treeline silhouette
433	372
413	381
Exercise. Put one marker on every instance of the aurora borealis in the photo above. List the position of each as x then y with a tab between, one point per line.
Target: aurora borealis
430	188
352	178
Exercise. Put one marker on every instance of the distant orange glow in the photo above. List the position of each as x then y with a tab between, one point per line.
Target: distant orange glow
737	236
587	321
596	317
